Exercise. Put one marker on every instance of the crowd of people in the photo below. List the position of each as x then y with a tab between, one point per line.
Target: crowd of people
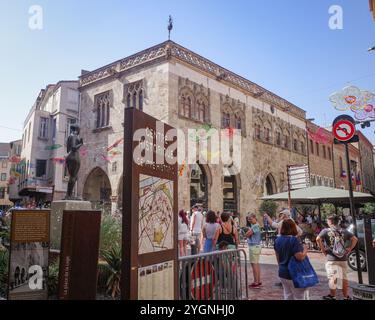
213	231
206	230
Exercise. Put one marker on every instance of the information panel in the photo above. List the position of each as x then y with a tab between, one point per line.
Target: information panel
29	250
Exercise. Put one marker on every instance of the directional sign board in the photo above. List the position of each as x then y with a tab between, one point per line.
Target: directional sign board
344	130
298	176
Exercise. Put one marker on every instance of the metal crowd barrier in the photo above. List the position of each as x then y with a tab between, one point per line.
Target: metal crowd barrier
220	275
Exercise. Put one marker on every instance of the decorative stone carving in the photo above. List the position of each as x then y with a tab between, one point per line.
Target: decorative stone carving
288	132
171	50
232	113
193	101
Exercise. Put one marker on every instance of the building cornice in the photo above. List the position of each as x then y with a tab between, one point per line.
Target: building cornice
372	7
169	50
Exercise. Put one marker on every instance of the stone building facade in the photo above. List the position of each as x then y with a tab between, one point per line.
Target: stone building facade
340	167
320	156
187	91
15	169
365	148
5	165
46	128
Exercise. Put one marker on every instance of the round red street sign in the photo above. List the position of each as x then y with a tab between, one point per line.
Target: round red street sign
344	130
202	280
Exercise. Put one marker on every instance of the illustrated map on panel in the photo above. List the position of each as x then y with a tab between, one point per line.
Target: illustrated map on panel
155	214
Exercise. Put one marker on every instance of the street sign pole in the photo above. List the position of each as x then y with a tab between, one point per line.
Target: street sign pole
289	198
352	212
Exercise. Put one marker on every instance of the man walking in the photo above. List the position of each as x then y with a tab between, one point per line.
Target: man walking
196	228
332	243
283	215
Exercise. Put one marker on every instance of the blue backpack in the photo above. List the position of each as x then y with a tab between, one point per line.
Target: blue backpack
302	273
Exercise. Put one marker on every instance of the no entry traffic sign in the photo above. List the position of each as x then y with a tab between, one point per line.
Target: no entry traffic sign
202	280
344	130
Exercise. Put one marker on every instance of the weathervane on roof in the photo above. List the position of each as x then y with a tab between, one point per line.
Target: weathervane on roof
170	27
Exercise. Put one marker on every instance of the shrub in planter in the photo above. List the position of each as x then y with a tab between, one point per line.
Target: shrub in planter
110	233
4	264
110	271
53	278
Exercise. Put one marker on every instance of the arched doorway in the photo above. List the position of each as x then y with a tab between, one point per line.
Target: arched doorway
230	194
198	186
97	188
269	185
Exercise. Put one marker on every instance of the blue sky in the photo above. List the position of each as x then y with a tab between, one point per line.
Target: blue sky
284	45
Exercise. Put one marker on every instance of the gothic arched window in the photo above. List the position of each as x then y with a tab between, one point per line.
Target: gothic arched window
140	100
134	93
103	104
128	100
286	140
186	106
238	123
201	111
225	120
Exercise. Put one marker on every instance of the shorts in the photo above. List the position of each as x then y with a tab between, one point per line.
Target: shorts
336	270
254	253
196	237
183	236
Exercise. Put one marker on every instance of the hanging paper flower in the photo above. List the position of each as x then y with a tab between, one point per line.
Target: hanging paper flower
343	174
368	111
53	147
58	160
83	151
351	98
118	142
15	159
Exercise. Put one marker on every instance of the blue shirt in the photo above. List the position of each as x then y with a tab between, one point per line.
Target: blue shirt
256	237
286	247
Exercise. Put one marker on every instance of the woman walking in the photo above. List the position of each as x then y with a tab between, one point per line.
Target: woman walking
227	232
183	232
287	246
254	237
209	231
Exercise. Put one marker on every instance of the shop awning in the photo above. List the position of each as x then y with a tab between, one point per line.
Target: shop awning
318	194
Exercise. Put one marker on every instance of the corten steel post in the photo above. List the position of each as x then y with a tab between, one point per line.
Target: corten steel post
128	251
352	212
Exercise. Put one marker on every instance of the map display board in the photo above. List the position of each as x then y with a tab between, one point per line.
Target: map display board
150	193
155	214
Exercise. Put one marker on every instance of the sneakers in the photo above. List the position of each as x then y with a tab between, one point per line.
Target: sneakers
329	297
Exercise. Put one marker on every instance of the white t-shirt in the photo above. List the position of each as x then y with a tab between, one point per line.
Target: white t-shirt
197	219
182	227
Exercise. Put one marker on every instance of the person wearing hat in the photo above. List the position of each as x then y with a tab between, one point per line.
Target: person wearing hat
283	215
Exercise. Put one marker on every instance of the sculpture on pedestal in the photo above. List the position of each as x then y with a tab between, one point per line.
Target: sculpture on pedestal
73	161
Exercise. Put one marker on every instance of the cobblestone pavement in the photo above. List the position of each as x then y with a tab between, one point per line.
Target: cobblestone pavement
269	276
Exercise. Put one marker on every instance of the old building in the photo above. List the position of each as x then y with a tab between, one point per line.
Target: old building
185	90
320	156
43	174
367	177
4	175
15	170
340	167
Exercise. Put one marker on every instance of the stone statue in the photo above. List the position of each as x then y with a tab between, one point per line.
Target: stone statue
73	161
